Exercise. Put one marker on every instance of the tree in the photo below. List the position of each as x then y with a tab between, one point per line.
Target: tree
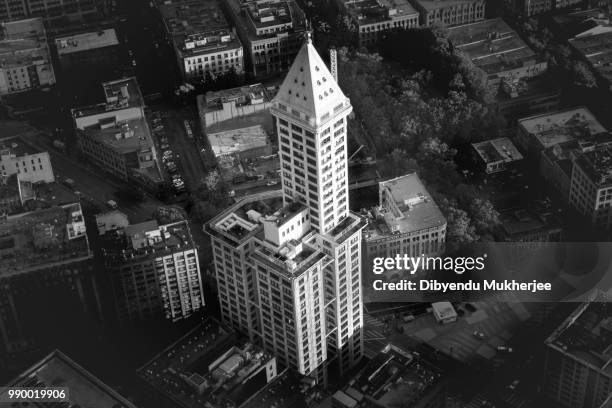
485	216
459	228
583	75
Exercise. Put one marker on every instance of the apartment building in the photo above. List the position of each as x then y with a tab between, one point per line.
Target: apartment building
449	12
154	267
51	10
578	370
498	50
25	61
375	17
115	134
271	32
203	41
591	185
292	259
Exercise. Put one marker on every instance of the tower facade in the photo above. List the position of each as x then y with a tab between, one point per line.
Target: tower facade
299	248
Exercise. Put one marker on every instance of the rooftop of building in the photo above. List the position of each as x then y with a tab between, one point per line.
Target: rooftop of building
84	389
256	15
419	211
146	240
496	150
374	11
289	390
23	42
240	96
597	49
43	238
437	4
124	137
394	377
310	90
207	367
491	45
597	164
586	334
562	153
292	258
197	26
86	41
237	140
518	221
32	196
512	91
118	94
580	21
561	126
237	223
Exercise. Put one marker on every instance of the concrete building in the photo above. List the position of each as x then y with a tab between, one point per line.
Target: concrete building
43	253
227	104
115	134
32	168
496	155
518	98
394	377
578	370
591	185
83	388
557	162
88	49
154	267
375	17
271	33
596	50
289	270
582	23
51	10
209	367
407	221
449	12
497	49
202	38
25	61
539	132
528	225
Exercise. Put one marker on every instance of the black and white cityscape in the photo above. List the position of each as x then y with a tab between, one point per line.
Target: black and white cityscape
306	203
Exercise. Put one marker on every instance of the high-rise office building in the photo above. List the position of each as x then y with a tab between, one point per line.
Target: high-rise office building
295	264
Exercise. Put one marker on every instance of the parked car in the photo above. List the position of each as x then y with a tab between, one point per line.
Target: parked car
504	349
479	334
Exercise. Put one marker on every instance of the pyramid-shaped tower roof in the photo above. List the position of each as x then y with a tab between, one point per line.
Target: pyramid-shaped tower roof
309	86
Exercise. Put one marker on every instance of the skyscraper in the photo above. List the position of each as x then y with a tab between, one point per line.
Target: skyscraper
295	264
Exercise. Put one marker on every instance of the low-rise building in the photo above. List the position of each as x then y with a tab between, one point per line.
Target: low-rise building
557	162
528	225
374	17
115	134
271	32
578	368
81	387
406	221
539	132
517	98
88	48
154	267
497	49
496	155
25	61
203	41
227	104
33	168
52	11
582	23
596	49
394	377
209	367
591	185
449	12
